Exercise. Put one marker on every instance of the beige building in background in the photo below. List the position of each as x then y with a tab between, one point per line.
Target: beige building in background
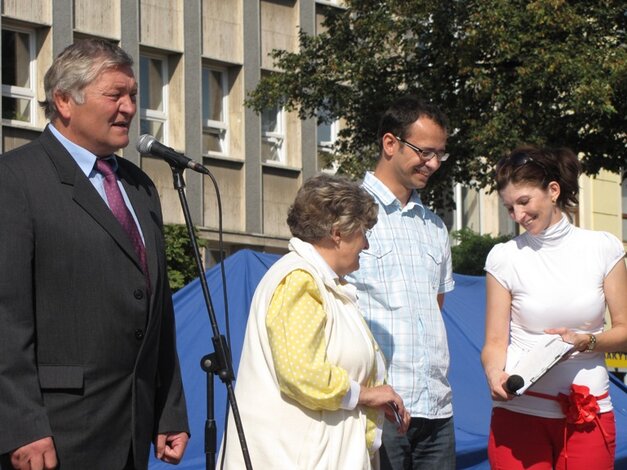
196	60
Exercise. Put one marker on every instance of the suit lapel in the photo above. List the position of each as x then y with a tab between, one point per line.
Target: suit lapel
84	193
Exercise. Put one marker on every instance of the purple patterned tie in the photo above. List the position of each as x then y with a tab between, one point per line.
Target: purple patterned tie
121	212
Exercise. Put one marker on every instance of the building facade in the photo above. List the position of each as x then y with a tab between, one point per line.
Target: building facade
196	60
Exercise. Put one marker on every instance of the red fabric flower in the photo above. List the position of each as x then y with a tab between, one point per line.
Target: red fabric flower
580	406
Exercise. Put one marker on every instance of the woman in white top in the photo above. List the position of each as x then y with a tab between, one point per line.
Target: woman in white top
556	279
310	387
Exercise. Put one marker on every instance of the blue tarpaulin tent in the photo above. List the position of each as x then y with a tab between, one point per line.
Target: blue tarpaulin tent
464	317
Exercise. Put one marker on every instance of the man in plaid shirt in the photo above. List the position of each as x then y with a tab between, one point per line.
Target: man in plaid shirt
402	280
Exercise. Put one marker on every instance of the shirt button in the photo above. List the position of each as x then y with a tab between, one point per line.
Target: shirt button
139	334
139	294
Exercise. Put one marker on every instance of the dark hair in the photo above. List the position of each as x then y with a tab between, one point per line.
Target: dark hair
538	167
77	66
327	201
403	112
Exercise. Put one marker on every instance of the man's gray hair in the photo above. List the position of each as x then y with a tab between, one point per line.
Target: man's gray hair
77	66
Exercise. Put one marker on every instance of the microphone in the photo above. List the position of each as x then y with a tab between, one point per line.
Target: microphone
148	145
513	384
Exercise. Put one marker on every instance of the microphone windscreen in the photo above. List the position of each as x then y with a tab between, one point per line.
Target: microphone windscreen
514	383
144	143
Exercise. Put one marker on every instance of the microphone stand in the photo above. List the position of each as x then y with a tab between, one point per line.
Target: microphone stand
219	362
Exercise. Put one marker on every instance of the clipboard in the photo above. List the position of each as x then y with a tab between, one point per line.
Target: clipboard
537	361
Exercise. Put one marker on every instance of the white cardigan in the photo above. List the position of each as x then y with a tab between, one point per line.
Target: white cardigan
281	433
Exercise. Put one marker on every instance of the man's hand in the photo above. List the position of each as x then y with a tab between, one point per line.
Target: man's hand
38	455
170	446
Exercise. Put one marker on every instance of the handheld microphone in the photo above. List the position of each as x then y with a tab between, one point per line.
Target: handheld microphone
513	384
148	145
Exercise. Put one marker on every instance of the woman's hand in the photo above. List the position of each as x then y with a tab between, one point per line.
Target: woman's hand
385	398
496	382
580	341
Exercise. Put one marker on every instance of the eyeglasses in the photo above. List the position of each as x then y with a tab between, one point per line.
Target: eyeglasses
426	155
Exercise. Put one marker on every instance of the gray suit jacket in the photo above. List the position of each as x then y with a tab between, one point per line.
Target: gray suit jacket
87	354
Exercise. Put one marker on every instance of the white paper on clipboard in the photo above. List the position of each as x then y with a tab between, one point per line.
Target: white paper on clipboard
534	363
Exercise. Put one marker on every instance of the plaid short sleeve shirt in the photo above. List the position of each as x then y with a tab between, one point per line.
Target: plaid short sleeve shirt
407	264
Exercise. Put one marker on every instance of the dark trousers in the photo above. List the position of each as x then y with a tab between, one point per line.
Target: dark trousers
428	444
130	461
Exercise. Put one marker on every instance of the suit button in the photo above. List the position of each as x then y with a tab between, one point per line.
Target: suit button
139	294
139	334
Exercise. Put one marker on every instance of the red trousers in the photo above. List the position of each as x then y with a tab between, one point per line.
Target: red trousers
520	441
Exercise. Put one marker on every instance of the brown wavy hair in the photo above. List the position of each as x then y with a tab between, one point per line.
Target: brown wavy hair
326	202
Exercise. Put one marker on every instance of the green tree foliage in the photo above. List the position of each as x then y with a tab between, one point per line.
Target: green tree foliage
507	72
470	254
180	255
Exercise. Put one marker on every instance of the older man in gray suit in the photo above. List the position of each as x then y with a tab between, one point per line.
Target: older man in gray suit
89	374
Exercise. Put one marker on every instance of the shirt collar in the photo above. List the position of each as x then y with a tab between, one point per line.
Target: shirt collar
83	157
307	251
329	277
387	198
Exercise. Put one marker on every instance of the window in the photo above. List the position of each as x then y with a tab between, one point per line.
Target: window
273	135
214	111
327	134
18	75
467	208
153	93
